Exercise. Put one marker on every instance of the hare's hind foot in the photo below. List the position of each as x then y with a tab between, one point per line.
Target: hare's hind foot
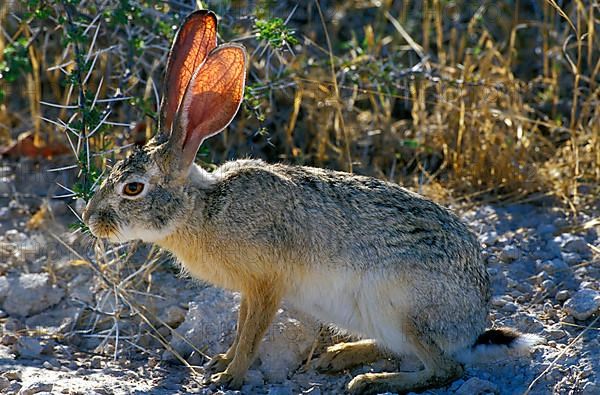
343	356
403	382
439	369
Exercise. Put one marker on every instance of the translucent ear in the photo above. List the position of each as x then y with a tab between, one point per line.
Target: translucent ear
192	44
212	98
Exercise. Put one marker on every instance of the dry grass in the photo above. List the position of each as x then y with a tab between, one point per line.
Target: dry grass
467	98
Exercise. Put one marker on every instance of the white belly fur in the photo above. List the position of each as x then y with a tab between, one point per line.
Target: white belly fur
364	304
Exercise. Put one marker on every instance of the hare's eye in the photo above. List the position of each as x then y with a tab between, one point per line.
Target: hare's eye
133	188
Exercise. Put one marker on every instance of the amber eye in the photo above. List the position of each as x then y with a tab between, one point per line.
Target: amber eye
133	188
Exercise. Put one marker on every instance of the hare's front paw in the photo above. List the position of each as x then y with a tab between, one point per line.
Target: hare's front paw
218	363
227	380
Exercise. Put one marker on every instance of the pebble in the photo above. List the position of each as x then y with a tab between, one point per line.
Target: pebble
13	375
500	301
28	347
476	386
35	388
552	249
553	266
4	383
571	258
576	244
96	362
554	334
14	236
8	339
510	307
583	304
509	253
13	388
562	295
548	285
489	238
4	213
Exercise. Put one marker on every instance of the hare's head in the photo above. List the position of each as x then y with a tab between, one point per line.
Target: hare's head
144	197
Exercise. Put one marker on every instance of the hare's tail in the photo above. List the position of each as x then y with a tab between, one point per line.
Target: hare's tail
499	343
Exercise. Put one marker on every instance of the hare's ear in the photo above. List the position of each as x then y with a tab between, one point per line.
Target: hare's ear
211	100
194	40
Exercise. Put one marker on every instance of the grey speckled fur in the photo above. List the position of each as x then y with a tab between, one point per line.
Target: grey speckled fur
310	216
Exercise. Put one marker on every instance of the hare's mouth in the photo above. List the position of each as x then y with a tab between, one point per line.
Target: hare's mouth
106	230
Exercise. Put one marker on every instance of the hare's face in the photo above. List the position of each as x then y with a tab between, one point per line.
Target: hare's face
145	197
138	200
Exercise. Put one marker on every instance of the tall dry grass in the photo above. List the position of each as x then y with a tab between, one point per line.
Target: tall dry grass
490	99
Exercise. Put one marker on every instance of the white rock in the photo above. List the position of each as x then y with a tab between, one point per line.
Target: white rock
209	324
583	304
30	294
286	345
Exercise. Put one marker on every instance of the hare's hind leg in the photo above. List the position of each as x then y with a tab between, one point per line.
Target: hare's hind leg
262	301
346	355
219	362
439	369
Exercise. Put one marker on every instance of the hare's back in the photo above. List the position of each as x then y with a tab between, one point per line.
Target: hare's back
337	215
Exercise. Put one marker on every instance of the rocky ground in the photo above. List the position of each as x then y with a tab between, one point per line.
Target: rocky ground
73	325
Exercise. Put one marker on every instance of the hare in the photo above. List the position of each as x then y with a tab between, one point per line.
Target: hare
363	254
